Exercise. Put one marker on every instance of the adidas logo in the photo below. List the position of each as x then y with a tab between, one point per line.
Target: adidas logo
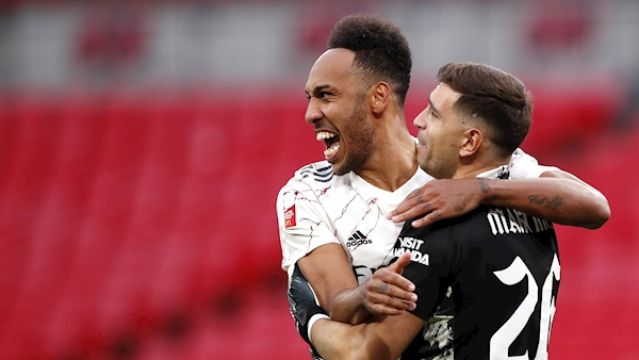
357	239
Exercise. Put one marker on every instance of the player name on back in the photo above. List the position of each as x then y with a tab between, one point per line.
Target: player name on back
507	221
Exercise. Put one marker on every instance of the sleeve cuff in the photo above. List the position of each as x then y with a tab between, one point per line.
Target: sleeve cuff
312	321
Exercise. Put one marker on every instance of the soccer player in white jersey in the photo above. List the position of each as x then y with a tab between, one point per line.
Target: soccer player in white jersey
497	267
356	92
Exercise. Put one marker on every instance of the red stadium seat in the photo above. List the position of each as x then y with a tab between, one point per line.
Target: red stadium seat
121	211
565	117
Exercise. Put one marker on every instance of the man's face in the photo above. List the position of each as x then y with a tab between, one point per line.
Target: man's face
440	130
338	112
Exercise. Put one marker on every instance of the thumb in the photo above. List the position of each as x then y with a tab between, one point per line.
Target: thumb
399	265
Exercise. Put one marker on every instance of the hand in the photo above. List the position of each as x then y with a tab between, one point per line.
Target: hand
441	199
302	303
387	292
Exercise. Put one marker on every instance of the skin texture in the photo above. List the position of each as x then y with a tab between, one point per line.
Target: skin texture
438	142
335	94
389	336
557	196
336	105
382	338
447	140
442	131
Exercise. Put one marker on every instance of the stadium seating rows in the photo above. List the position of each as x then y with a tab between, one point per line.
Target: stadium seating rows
122	214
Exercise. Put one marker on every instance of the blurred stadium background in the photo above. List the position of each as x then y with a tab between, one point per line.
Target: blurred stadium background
142	144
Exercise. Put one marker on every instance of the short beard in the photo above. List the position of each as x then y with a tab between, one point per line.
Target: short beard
360	137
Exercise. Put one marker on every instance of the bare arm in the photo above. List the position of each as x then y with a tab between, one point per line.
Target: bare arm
557	196
383	338
329	272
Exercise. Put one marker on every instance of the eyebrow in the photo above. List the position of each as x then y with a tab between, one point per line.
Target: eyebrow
317	89
432	107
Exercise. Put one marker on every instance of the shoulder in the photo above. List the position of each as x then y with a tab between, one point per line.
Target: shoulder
320	172
311	177
462	226
315	182
524	166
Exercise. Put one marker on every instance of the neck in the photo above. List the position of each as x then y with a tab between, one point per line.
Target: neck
471	167
394	158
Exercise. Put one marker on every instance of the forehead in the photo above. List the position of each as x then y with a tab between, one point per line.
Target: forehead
333	67
443	97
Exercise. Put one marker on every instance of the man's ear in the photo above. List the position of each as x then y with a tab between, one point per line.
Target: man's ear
380	97
471	142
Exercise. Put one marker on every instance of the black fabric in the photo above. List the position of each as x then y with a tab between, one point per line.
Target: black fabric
455	266
302	305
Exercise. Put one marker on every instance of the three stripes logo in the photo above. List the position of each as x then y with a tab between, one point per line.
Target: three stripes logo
357	239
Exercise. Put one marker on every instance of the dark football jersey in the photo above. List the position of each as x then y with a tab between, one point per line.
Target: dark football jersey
487	285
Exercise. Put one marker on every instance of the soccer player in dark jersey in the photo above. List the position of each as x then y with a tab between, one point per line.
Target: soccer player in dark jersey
496	270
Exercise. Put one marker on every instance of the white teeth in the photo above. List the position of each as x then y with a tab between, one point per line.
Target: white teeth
330	152
323	135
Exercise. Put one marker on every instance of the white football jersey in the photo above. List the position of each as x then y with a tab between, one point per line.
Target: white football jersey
317	207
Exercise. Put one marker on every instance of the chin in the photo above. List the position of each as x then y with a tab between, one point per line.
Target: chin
342	166
339	170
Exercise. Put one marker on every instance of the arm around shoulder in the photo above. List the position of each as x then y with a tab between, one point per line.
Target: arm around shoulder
556	195
594	203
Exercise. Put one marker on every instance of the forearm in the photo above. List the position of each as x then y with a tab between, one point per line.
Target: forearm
347	307
381	338
334	340
561	200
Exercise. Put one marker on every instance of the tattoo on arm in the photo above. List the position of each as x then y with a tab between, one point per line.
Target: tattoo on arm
484	187
553	203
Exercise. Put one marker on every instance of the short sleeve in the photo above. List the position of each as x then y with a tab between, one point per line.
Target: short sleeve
431	268
303	223
524	166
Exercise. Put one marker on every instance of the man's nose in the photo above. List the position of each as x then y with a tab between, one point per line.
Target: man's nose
420	120
313	112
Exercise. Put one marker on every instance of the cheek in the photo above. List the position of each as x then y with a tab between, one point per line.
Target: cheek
433	139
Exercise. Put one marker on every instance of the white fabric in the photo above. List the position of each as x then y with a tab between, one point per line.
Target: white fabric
524	166
349	211
345	210
312	321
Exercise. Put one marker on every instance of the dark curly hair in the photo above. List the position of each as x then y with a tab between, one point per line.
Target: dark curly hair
381	50
493	96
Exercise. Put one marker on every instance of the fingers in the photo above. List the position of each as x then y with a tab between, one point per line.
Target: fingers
414	205
417	209
399	265
389	306
389	293
384	299
427	220
392	277
391	283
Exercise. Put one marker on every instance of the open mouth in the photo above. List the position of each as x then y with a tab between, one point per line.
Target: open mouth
331	140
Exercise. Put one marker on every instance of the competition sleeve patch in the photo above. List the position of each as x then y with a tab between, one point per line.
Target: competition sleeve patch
288	206
289	216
